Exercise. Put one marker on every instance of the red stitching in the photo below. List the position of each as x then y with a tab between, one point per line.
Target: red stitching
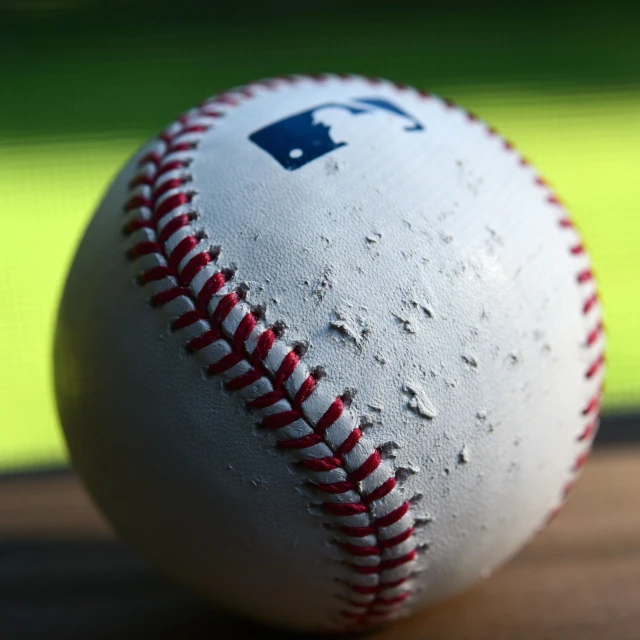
358	532
253	375
267	399
194	267
224	308
210	288
136	225
228	362
383	490
204	340
594	334
355	550
367	590
321	464
143	249
170	203
265	342
281	420
301	443
367	467
336	487
186	320
344	508
595	366
584	277
182	249
246	326
401	537
136	202
154	274
351	441
329	417
161	189
393	517
589	303
396	562
164	297
306	389
289	363
171	227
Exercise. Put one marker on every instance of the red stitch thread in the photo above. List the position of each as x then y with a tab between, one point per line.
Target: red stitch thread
165	186
373	589
344	508
170	203
289	363
349	443
383	490
210	288
143	249
321	464
301	443
154	274
246	326
182	249
329	417
194	267
204	340
173	165
164	297
281	420
306	389
396	562
172	226
595	366
267	399
186	320
253	375
393	517
224	308
136	202
263	346
589	303
358	532
136	225
401	537
594	334
227	362
367	467
336	487
356	550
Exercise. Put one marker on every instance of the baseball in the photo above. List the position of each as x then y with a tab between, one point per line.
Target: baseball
330	350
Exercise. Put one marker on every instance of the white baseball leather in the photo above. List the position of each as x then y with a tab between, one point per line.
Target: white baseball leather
428	278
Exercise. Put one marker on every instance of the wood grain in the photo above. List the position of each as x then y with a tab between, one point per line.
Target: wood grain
579	579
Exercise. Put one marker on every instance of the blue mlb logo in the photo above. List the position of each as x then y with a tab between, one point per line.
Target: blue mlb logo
297	140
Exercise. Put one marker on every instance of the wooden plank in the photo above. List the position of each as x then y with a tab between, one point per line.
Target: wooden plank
579	579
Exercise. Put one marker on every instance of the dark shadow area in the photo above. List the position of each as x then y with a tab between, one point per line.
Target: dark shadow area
618	429
78	589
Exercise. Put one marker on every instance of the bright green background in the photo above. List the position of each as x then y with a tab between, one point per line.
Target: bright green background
84	85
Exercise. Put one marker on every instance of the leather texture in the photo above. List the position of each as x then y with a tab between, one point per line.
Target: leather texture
426	273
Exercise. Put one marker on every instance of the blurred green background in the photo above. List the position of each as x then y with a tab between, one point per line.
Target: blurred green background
84	83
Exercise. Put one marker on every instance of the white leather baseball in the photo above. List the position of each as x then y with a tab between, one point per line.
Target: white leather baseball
345	360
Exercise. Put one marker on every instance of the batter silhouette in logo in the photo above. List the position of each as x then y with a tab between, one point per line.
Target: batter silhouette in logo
297	140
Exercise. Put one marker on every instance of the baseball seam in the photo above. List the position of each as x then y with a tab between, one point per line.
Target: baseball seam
372	523
591	311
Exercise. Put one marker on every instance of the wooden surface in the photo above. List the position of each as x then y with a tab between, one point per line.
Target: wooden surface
62	575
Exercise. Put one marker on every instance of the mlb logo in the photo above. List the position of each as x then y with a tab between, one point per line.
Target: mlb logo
301	138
